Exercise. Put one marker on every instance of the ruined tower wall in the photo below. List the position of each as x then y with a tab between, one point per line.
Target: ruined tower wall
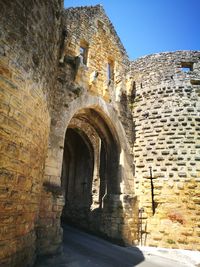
166	113
29	50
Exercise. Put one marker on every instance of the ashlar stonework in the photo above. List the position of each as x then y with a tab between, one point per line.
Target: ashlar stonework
83	129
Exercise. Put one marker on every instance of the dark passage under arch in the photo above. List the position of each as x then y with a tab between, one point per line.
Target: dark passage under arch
89	144
77	174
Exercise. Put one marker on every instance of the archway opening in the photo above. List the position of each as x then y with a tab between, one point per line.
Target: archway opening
77	175
91	174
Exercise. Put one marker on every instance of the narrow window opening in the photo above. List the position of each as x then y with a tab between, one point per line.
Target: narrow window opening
195	82
186	66
83	53
110	71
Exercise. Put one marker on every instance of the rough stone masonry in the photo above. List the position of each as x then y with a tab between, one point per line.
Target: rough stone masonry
81	127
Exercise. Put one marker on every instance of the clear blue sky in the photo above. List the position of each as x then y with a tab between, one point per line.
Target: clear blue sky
152	26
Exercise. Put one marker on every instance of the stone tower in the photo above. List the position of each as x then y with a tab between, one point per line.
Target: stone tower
165	104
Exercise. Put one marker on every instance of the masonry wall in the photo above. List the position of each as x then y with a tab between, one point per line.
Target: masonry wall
165	102
74	80
98	34
78	89
104	46
29	50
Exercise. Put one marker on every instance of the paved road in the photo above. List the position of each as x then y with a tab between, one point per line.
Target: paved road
84	250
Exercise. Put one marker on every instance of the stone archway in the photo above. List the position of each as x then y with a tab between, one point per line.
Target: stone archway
96	126
91	172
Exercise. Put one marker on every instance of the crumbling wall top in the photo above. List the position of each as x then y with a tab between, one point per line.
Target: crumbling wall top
166	67
92	13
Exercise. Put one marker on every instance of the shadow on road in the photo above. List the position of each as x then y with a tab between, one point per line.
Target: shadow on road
84	250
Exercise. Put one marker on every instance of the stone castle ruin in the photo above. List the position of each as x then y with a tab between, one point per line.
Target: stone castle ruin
84	129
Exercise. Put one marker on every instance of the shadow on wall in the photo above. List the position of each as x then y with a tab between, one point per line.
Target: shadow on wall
127	103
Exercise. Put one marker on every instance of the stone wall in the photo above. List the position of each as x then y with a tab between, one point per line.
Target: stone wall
29	50
165	101
48	86
96	32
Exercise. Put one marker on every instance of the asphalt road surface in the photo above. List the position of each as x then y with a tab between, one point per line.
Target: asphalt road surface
84	250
